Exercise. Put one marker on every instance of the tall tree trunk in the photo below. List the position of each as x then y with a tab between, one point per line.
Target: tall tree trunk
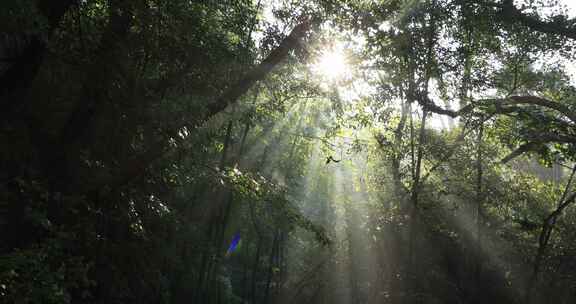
255	268
414	212
479	201
216	227
271	266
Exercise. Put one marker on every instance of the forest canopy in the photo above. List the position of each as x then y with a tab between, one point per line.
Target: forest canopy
287	151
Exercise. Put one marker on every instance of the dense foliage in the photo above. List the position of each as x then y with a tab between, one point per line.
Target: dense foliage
200	152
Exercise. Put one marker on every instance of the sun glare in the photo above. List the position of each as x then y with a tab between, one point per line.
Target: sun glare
332	64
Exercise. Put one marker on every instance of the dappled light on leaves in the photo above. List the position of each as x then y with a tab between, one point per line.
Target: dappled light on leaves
306	151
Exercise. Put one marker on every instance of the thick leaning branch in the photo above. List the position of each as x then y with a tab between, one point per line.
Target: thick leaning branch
425	102
536	140
530	146
507	106
259	72
501	106
534	100
138	165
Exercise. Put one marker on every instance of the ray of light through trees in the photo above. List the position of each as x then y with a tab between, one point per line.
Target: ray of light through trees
302	151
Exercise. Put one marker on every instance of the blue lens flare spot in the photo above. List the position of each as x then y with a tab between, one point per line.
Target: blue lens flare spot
234	243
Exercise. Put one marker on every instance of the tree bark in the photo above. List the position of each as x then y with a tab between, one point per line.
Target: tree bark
479	200
259	72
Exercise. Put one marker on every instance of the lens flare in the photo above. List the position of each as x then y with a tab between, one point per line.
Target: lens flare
332	64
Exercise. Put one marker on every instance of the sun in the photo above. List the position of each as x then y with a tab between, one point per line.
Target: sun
332	64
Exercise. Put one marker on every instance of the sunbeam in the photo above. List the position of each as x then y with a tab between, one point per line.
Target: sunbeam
288	152
332	63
